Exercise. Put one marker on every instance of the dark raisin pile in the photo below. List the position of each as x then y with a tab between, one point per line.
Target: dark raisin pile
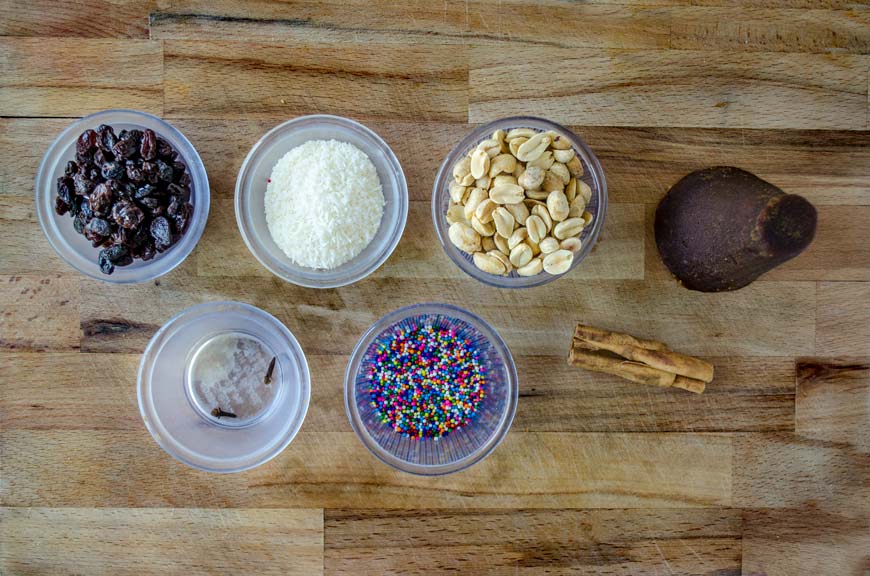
127	193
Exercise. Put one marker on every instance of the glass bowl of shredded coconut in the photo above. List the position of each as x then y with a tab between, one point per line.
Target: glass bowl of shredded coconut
321	201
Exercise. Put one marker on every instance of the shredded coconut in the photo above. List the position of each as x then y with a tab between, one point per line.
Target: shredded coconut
324	203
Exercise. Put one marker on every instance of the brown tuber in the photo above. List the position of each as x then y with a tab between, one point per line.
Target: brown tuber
720	228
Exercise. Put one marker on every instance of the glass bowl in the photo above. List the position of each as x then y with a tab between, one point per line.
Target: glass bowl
185	373
463	446
251	191
593	175
74	248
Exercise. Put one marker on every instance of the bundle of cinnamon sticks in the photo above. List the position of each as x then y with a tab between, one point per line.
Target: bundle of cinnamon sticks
638	360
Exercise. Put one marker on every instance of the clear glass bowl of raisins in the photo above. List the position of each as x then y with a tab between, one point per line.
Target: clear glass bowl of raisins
122	196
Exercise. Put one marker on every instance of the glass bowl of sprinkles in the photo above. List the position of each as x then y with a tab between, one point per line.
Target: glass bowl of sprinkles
431	389
592	178
252	204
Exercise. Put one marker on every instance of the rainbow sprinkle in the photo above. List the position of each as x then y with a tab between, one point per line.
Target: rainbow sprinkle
426	378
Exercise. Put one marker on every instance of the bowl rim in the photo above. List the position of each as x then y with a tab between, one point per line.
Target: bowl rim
170	259
485	449
475	136
155	345
254	245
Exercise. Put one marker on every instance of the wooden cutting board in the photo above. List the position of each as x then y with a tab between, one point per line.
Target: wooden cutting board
767	473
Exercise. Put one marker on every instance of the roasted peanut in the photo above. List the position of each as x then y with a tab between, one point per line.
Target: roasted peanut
488	263
533	268
464	237
504	222
557	205
568	228
558	262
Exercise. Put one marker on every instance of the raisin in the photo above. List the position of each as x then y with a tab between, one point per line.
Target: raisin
79	225
82	185
146	190
84	157
86	142
148	252
185	180
174	206
112	170
65	189
123	149
117	254
182	218
134	173
127	214
85	209
60	206
148	147
101	199
106	266
161	233
149	169
97	229
164	171
180	169
182	192
71	168
107	137
164	149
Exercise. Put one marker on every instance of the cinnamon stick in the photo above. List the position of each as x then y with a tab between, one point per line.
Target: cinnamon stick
690	384
632	371
649	352
592	334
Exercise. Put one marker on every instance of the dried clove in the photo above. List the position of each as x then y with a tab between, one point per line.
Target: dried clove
218	413
268	378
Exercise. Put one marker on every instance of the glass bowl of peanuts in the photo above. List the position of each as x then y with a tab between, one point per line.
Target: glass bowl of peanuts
519	202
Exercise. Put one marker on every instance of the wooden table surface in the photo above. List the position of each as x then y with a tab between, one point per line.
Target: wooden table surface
767	473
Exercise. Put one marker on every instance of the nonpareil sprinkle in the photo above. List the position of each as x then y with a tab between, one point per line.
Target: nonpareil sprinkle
426	379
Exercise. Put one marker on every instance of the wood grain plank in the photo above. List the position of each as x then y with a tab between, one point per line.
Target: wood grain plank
23	142
827	167
127	541
77	18
74	77
765	319
832	401
507	24
271	80
785	471
549	22
770	30
583	542
806	540
332	469
747	394
40	312
24	247
69	391
840	250
843	319
619	254
77	391
671	88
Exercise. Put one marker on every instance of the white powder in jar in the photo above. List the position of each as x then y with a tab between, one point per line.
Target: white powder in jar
324	203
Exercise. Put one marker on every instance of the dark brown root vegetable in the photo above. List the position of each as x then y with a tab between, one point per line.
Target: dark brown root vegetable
720	228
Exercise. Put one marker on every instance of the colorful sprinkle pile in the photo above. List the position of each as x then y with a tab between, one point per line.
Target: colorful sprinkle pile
426	378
